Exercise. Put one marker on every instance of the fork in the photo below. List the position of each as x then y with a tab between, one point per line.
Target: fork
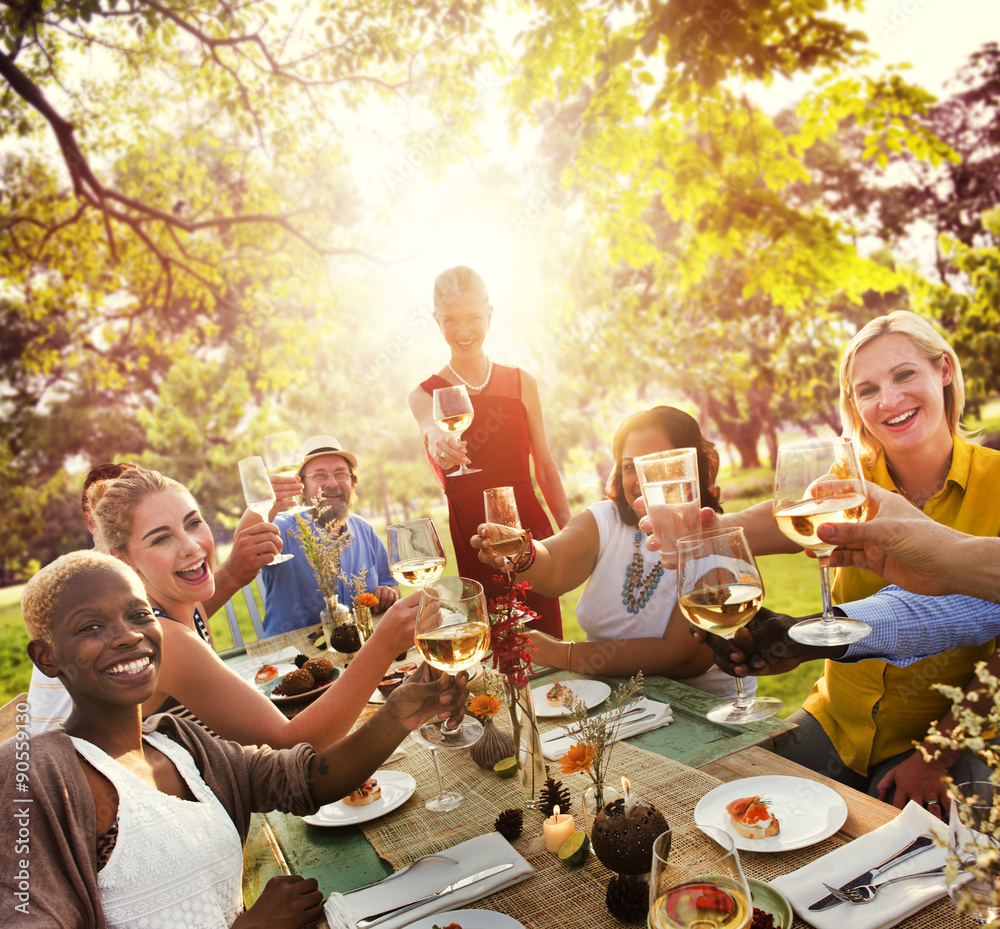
865	893
402	871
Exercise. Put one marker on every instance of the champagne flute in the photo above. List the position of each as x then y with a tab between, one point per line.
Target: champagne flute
453	414
719	589
283	455
452	633
416	555
258	492
820	481
672	494
506	535
697	881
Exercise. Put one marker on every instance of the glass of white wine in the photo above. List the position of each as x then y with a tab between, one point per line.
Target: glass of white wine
506	535
697	881
416	555
820	481
719	589
452	633
453	414
283	455
259	493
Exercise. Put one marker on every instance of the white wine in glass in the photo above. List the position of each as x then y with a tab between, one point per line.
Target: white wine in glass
504	524
719	589
259	493
697	881
453	414
820	481
416	555
283	455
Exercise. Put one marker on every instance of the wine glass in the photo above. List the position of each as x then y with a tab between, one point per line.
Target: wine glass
258	492
283	454
719	589
697	881
416	555
820	481
506	535
672	494
453	414
972	843
452	633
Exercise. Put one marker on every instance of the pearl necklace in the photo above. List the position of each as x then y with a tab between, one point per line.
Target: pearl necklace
633	577
489	374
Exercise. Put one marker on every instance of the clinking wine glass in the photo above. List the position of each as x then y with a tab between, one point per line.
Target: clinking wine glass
697	881
507	538
452	633
719	589
672	495
453	414
820	481
416	555
283	455
258	492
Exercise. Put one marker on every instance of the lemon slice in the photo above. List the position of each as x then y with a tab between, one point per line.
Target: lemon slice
507	767
575	849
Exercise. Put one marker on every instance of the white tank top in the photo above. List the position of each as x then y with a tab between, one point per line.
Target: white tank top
176	863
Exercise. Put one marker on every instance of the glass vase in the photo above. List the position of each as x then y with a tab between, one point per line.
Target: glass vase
531	769
974	851
591	806
363	620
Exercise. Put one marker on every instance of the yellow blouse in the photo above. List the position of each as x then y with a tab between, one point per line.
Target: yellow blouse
872	710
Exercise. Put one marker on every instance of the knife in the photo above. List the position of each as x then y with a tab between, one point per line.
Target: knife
918	845
451	888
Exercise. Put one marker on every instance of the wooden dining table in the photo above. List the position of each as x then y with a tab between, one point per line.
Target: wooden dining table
673	767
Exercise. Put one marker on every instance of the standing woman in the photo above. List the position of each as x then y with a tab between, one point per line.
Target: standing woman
507	430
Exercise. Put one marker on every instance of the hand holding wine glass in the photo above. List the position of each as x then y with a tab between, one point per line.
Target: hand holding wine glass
697	881
258	492
506	537
820	481
453	414
719	589
416	555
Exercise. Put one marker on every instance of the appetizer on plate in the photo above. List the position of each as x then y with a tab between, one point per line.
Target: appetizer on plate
267	673
556	695
751	818
367	793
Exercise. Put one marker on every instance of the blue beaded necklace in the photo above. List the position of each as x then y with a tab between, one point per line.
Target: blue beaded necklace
633	577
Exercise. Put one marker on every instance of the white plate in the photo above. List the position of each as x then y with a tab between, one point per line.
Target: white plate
475	672
591	692
469	919
807	811
397	788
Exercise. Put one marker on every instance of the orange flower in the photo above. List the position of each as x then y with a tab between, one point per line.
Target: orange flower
368	600
484	706
579	758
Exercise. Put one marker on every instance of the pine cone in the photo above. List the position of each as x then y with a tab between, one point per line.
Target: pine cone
300	660
509	824
627	897
554	794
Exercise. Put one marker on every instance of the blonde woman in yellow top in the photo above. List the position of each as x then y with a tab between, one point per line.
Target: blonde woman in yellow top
901	397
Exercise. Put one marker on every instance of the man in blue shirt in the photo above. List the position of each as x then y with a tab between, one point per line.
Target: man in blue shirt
292	595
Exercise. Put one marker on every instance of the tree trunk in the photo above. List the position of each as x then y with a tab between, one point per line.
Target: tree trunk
743	434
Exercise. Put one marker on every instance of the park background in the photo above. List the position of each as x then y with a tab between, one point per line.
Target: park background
221	220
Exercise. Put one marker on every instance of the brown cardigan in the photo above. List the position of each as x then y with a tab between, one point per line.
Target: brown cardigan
48	850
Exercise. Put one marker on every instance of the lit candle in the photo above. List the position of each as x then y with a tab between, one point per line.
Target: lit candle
630	801
557	828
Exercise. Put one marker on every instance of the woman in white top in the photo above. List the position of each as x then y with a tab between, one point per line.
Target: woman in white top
629	608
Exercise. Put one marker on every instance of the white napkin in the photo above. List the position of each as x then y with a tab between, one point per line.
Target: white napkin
343	911
554	749
893	904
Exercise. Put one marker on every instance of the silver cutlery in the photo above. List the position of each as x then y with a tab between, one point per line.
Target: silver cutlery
865	893
565	733
451	888
918	845
402	871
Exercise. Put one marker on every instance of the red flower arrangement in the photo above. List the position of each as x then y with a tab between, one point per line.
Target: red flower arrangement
510	644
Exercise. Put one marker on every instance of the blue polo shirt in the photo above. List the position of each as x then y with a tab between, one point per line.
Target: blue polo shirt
292	597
